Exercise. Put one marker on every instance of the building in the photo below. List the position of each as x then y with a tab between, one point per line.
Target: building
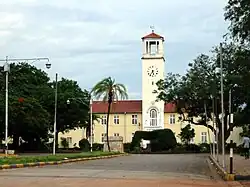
129	116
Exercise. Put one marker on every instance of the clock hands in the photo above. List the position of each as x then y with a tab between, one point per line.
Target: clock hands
152	72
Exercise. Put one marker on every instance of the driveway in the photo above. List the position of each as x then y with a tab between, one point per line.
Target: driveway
134	170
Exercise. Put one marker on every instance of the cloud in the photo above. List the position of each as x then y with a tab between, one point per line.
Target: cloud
90	40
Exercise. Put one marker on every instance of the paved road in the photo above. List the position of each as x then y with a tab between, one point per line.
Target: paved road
129	171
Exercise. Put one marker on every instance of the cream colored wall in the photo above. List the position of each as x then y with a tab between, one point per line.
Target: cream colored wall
76	136
125	128
176	128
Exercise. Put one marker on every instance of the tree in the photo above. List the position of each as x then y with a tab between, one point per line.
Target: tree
109	90
31	105
64	143
238	13
27	117
197	93
186	134
69	116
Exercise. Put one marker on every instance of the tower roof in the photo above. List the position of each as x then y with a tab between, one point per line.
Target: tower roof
153	35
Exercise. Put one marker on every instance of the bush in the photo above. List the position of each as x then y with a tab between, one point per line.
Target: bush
161	140
64	143
193	148
204	147
84	144
97	147
127	147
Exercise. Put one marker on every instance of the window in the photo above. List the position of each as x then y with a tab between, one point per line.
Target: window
116	134
69	140
172	119
104	120
116	119
134	119
153	47
153	117
204	137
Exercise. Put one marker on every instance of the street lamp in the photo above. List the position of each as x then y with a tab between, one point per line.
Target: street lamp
55	117
222	109
7	71
91	116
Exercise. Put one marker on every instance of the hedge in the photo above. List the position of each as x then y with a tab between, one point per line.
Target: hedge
161	140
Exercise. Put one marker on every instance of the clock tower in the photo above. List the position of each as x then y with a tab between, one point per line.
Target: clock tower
152	71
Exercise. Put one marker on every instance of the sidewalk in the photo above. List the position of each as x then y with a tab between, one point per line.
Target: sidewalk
241	166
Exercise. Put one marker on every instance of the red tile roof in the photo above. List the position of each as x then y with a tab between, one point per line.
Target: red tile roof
152	35
128	106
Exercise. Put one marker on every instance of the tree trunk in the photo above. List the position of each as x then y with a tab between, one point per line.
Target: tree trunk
107	129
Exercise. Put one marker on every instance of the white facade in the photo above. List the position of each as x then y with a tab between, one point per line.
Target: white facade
152	71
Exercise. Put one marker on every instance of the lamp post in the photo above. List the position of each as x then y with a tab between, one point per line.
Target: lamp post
7	71
55	117
222	109
91	125
81	100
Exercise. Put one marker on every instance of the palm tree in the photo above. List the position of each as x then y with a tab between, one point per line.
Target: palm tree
109	90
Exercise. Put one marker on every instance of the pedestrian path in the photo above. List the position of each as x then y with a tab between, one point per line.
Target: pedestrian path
241	166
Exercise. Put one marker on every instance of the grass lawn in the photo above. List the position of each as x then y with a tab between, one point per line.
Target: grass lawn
49	158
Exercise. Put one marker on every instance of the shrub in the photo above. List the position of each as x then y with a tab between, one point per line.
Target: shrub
187	133
137	138
97	147
84	144
204	147
192	148
161	140
64	143
127	147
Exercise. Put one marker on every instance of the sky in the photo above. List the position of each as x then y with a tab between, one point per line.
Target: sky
88	40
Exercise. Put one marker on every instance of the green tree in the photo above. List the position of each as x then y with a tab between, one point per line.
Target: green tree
197	93
238	13
69	116
64	142
109	90
186	134
27	117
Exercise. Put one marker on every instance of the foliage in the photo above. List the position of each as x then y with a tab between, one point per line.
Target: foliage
238	13
64	142
97	147
109	90
84	144
245	131
32	116
127	147
58	157
73	115
197	93
186	134
160	140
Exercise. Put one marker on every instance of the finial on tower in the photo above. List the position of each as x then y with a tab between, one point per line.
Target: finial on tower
152	27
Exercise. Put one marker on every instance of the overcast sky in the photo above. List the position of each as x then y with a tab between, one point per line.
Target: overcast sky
88	40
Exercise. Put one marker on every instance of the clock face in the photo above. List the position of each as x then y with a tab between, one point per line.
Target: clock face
152	71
